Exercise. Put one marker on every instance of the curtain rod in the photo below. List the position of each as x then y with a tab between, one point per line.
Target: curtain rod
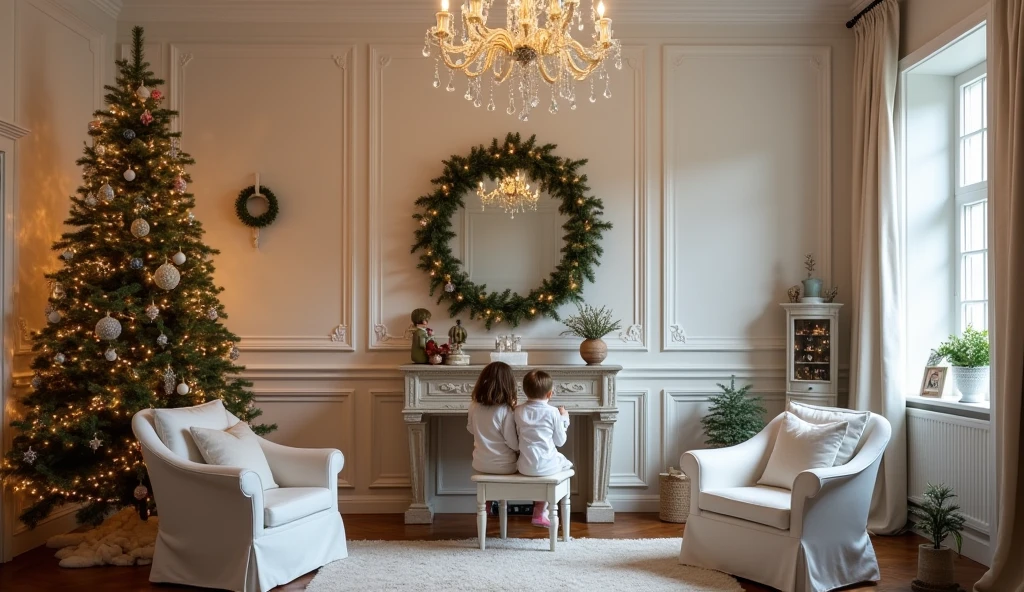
867	9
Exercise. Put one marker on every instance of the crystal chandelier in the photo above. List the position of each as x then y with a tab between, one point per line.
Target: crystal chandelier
525	51
512	195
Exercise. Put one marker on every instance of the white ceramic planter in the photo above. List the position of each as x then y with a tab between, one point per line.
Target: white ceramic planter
971	382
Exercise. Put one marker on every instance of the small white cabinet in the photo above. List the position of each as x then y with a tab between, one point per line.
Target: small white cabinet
812	354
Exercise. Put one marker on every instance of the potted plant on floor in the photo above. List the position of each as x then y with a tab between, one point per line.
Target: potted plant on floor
969	356
937	518
592	324
734	417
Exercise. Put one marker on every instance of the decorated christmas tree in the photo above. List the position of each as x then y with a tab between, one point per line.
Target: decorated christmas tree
133	320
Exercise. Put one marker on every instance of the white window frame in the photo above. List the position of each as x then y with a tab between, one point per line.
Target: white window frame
970	194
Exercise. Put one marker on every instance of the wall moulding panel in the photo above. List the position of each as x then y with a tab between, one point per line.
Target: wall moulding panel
231	140
629	449
389	445
396	286
747	159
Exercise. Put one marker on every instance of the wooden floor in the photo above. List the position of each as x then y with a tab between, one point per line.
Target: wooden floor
37	571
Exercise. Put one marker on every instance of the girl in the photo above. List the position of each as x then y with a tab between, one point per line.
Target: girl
492	421
541	429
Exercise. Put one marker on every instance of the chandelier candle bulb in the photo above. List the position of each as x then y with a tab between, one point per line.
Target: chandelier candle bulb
444	19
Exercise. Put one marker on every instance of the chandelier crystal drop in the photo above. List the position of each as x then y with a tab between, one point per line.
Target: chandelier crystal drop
525	53
512	195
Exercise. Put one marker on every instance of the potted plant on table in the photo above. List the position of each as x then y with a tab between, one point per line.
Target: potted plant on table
969	356
938	518
592	324
734	417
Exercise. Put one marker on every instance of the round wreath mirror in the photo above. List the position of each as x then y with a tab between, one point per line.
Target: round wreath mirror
561	179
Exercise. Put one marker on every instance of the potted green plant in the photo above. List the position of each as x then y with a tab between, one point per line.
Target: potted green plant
591	324
937	518
734	417
969	356
812	285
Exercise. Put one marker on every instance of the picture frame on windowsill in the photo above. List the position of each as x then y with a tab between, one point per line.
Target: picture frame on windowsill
934	381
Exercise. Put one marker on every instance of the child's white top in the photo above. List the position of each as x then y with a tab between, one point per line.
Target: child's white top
541	429
494	438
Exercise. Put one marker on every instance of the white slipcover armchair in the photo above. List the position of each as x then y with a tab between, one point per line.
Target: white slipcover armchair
220	529
810	539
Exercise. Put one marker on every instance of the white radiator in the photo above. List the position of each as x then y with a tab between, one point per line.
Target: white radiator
943	448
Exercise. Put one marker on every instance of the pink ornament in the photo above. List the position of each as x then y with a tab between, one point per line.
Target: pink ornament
156	95
180	184
147	117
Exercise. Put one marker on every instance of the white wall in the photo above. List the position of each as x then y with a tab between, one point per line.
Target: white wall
923	20
722	158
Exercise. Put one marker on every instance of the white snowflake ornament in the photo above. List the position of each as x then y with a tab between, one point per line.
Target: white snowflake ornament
59	358
212	314
161	340
95	443
152	311
234	353
30	456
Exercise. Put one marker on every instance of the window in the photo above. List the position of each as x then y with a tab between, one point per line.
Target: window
971	198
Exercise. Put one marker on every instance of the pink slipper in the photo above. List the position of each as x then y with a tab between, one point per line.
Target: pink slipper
541	521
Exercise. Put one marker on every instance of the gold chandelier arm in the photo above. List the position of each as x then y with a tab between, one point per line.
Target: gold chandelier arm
497	40
592	60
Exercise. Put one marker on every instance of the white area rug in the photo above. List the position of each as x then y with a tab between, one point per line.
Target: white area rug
518	564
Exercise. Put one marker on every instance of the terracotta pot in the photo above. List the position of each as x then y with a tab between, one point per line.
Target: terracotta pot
935	566
593	351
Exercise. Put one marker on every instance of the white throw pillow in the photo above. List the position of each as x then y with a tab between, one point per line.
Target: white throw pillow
236	446
172	426
858	420
801	446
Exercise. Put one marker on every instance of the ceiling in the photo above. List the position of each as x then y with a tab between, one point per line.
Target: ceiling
419	11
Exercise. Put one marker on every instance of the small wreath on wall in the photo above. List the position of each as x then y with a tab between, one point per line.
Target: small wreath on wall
561	179
265	219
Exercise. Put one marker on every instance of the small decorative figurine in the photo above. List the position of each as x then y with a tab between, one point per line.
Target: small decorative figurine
830	295
794	293
421	335
456	338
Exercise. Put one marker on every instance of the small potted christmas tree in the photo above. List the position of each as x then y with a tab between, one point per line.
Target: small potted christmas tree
937	518
734	417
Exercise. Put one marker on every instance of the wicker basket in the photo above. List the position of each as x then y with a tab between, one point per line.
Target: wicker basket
675	497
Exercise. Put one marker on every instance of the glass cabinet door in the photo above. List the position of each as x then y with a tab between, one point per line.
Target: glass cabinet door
812	350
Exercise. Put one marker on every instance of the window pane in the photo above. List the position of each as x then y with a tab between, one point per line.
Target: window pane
972	159
974	227
975	314
973	107
975	274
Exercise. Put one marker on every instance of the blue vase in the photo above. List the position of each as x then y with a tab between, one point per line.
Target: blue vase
812	288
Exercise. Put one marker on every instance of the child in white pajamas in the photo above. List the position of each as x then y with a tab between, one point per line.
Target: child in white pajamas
541	430
492	421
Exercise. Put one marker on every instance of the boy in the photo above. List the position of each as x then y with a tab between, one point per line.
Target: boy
541	430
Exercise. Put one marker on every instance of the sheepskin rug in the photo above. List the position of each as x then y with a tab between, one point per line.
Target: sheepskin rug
122	539
587	565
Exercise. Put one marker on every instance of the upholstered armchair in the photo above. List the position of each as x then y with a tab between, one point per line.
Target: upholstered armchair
219	528
810	539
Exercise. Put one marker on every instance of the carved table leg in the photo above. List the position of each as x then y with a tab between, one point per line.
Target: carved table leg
419	511
598	509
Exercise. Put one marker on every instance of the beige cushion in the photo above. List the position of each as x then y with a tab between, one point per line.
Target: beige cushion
172	426
801	446
236	446
288	504
858	420
765	505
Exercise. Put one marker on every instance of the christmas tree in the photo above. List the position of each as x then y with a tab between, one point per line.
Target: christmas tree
132	321
733	418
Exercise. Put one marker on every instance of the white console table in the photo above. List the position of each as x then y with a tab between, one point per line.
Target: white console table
446	390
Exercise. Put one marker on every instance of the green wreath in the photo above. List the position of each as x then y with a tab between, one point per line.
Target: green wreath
561	179
242	207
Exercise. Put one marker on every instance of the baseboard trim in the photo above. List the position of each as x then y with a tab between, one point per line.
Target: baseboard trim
30	539
977	545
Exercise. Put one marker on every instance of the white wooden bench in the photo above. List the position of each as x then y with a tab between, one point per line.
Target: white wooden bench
520	487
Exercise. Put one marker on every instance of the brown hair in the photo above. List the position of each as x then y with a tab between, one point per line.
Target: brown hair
537	384
496	386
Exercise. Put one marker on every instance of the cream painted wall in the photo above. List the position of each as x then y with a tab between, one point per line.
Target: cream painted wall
722	157
923	20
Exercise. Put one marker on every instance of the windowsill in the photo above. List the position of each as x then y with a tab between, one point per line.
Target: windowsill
949	405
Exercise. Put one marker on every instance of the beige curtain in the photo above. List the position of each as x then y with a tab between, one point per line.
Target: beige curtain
1006	83
876	364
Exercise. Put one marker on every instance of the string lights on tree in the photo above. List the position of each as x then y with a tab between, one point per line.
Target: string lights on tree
136	307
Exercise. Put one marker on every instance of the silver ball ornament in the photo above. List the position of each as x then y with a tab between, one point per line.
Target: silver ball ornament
234	353
108	328
110	355
129	175
107	192
161	340
53	316
37	381
152	311
135	263
59	358
140	492
91	201
167	277
140	228
180	185
182	388
142	92
178	258
128	134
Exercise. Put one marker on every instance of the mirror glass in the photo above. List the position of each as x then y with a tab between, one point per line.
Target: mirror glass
504	252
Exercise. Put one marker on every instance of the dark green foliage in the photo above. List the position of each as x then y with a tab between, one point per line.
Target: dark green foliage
86	397
937	519
734	417
561	179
